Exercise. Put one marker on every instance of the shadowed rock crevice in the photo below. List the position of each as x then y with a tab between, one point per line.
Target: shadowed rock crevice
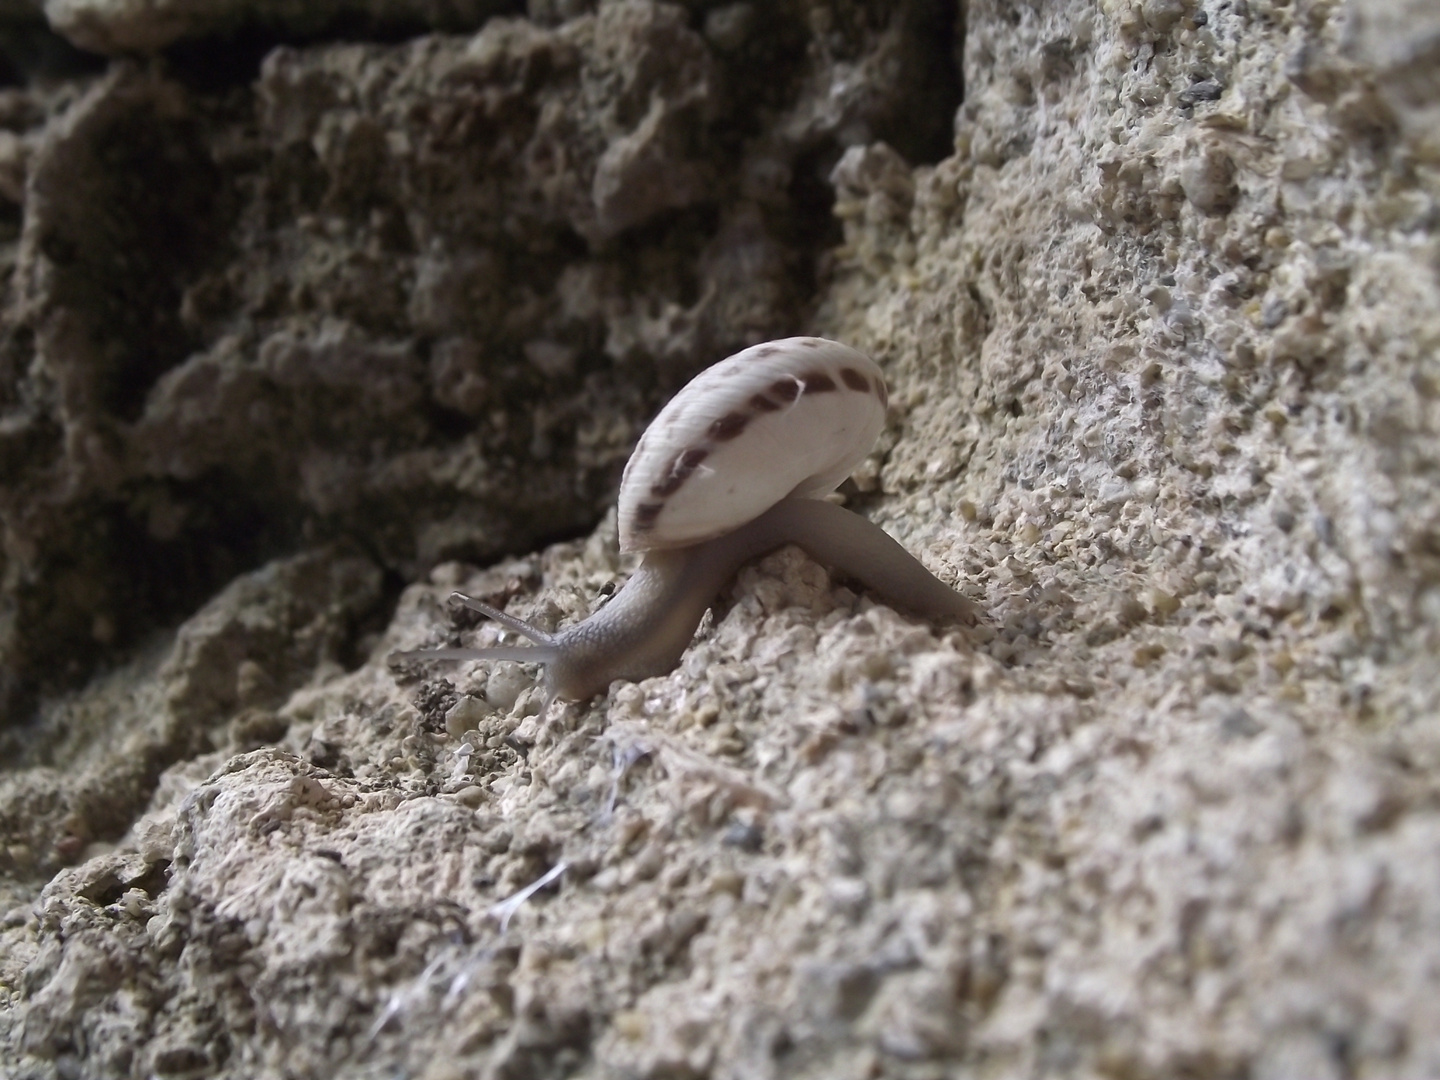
417	294
86	765
30	50
128	207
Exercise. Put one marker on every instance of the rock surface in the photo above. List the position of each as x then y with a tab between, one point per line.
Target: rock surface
1161	330
421	295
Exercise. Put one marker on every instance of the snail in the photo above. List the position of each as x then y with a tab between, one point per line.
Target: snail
736	465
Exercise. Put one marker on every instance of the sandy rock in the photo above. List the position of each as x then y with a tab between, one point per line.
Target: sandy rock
420	293
1160	330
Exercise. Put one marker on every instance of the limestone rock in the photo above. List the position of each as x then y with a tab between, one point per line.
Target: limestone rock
1160	326
422	294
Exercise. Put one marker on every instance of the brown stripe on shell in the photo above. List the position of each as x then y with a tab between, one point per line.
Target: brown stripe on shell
854	380
766	350
787	390
811	343
645	515
728	426
679	471
760	403
817	382
668	486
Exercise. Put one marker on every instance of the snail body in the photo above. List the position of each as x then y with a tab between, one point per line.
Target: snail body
733	467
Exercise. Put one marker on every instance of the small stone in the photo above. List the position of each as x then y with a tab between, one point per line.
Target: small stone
471	796
465	714
1208	180
1163	14
1163	603
745	837
1239	724
1204	90
630	1024
1146	655
506	683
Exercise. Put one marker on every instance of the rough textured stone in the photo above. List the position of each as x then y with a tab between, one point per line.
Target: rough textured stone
418	295
1162	339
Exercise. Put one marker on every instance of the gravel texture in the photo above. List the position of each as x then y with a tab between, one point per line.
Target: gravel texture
290	353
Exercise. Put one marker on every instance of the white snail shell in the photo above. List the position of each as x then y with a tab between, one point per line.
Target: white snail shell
786	418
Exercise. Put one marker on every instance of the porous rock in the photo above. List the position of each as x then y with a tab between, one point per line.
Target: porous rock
421	294
1161	337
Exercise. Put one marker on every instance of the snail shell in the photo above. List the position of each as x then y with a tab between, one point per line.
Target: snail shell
786	418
